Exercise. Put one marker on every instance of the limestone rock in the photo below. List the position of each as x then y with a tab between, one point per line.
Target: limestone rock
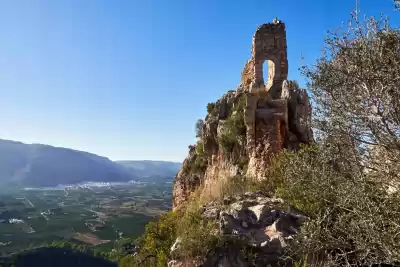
299	111
211	211
186	263
209	136
224	104
186	181
259	222
175	247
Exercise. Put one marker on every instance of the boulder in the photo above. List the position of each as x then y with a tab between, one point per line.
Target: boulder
251	221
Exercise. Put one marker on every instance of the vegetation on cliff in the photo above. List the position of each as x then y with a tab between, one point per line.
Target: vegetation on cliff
155	244
233	133
352	219
348	183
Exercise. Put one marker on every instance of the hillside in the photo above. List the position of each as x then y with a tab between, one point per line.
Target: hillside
44	165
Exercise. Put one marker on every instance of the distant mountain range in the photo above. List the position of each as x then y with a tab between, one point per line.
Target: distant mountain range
43	165
145	168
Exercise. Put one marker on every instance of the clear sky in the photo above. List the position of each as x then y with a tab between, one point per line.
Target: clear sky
128	79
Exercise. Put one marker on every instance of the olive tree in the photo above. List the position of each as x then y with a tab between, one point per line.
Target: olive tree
355	86
342	184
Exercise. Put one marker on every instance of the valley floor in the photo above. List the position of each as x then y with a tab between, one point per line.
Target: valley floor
93	215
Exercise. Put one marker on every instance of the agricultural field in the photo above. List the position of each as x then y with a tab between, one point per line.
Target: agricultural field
91	214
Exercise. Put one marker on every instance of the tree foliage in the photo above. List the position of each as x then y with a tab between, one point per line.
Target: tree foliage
197	235
342	183
199	127
355	86
211	107
234	128
200	161
351	221
155	244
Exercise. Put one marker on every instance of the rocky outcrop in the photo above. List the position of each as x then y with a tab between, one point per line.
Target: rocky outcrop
276	115
186	180
262	225
277	112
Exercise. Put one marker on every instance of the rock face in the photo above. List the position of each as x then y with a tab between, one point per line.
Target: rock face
276	115
186	180
260	222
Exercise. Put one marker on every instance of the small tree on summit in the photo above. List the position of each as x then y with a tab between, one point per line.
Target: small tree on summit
198	127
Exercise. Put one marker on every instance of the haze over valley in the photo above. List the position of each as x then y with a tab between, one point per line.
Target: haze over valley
37	165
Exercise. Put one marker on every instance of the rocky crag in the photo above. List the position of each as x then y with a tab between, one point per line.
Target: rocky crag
252	222
241	133
247	126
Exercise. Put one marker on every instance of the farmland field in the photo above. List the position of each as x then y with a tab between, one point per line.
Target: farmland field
92	214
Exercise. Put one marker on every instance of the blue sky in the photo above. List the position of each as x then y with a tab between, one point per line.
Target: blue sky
128	79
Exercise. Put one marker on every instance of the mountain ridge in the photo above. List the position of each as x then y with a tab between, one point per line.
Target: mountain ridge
45	165
144	168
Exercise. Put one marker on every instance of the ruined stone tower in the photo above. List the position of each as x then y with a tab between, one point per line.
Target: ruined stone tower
277	112
277	115
269	44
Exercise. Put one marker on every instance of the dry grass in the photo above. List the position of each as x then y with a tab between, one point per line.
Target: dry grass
219	189
197	235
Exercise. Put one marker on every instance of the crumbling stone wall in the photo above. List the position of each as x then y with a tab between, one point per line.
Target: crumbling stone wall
269	43
277	113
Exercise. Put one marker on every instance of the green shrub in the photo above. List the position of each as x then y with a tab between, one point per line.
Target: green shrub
199	127
200	163
211	108
291	172
352	220
234	130
127	261
155	244
200	148
226	142
197	235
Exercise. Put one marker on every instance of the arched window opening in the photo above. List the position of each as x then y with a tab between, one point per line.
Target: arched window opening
268	72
